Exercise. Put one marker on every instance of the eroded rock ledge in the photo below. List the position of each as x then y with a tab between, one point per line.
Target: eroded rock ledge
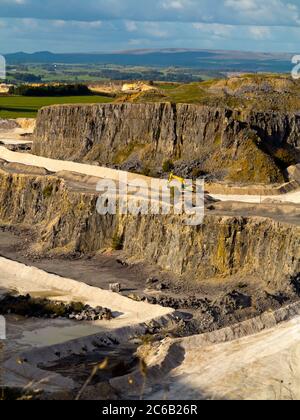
66	221
238	146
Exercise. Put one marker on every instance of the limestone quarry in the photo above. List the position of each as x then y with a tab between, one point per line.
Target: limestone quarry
220	300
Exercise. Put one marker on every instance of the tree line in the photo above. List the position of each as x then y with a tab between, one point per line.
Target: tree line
51	90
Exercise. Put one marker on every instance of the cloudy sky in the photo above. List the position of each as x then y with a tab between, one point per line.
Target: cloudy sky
112	25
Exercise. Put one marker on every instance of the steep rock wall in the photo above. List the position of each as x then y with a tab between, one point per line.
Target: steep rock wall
67	221
216	139
276	128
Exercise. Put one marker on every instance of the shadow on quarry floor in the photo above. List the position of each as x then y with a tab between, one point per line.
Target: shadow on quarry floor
157	383
116	360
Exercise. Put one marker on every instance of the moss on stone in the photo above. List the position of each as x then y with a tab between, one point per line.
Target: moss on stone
122	155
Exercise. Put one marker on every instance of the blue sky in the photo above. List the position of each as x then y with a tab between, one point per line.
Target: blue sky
113	25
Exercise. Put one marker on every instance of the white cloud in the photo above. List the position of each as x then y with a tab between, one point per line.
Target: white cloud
154	30
14	1
231	12
94	24
242	5
173	4
227	24
83	25
59	23
260	32
268	12
215	29
130	26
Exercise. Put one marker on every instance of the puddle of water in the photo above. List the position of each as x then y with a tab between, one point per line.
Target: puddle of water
26	333
51	335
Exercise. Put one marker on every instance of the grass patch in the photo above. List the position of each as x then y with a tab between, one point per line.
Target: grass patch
253	165
166	86
28	107
189	93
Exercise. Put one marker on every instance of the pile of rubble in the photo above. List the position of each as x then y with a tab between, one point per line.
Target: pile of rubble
45	308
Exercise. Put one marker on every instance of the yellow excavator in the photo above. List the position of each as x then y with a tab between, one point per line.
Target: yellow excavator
182	181
173	177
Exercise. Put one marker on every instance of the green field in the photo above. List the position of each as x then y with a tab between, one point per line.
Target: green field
27	107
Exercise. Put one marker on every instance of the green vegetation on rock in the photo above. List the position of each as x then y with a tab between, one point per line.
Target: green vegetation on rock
168	166
47	191
254	166
122	155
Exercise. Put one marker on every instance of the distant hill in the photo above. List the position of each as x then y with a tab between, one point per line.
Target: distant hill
235	61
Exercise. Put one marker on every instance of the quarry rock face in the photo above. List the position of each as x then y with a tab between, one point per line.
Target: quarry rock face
219	139
276	128
66	221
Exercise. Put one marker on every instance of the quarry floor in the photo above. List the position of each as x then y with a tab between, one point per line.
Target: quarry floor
33	342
